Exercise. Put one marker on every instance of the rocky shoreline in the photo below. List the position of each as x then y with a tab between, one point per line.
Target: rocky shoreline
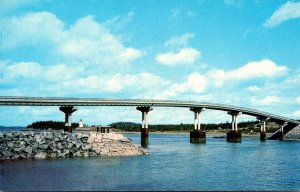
41	145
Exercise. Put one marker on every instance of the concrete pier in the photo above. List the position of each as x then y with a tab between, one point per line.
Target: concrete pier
281	131
68	110
234	135
144	130
263	135
198	135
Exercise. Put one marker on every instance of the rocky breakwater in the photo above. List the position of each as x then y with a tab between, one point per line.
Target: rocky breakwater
294	134
42	145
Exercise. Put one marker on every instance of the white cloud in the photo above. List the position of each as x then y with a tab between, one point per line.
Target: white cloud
119	21
195	82
76	44
184	56
296	114
32	29
253	88
115	83
174	13
264	68
270	100
290	10
266	101
130	54
298	100
179	41
260	69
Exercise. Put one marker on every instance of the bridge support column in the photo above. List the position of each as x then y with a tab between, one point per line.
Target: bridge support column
281	131
144	130
198	135
234	135
68	110
263	135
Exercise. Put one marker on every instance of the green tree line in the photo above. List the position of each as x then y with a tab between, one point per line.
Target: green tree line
56	125
136	127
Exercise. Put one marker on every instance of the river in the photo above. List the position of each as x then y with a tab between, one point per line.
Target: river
173	164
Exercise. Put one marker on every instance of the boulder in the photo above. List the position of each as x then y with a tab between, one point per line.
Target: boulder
8	135
10	145
28	150
40	155
7	153
15	156
18	150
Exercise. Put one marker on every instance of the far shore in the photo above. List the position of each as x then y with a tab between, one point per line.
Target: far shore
208	133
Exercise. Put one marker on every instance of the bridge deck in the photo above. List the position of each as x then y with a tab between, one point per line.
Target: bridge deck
56	101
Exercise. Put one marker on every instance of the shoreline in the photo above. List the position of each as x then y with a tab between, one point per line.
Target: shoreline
209	133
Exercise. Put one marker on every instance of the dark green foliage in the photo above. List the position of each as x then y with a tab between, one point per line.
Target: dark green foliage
50	124
129	126
136	127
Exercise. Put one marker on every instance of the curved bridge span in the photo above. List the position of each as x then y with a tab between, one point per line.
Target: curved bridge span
70	102
55	101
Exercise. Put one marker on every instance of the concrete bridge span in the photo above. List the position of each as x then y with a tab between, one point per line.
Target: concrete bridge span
68	106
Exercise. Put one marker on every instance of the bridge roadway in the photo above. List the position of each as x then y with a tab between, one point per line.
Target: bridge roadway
56	101
70	102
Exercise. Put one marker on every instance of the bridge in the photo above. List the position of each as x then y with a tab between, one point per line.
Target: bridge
68	106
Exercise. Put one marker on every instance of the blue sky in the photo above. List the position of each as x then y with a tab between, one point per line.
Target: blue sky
244	53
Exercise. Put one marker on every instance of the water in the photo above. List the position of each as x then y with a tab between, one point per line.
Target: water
173	164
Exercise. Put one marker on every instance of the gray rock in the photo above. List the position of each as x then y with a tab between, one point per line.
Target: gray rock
45	146
49	135
35	145
86	154
59	146
53	155
7	153
27	140
15	156
87	147
10	145
73	137
23	156
70	145
40	155
8	135
28	150
78	144
60	154
18	149
22	143
66	152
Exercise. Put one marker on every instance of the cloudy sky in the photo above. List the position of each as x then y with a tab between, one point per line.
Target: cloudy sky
244	53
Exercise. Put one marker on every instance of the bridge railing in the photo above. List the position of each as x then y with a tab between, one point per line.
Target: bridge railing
136	102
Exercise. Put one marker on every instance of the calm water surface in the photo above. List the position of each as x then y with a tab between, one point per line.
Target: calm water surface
173	164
